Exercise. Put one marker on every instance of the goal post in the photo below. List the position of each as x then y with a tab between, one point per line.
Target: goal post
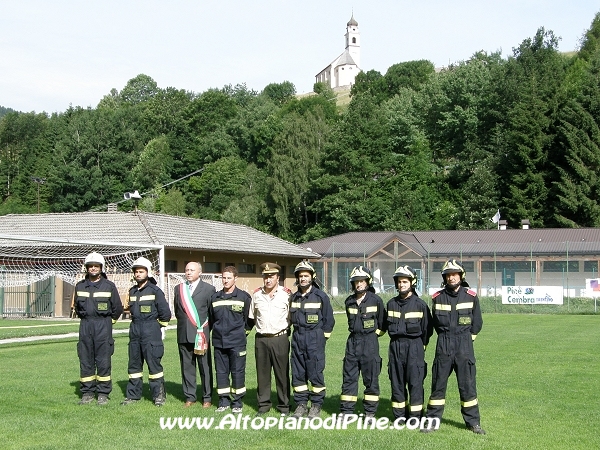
28	262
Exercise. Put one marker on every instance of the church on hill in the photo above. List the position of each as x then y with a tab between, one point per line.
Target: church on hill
343	70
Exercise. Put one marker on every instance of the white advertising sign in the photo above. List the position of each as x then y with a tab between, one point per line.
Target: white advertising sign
532	295
592	287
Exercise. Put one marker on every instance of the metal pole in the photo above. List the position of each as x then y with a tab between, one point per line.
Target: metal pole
568	296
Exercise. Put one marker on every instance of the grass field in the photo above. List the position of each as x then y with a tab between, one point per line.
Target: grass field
538	383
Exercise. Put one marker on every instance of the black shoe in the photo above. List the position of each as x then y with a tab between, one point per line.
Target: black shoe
102	399
476	429
261	413
315	411
161	398
129	401
300	411
88	397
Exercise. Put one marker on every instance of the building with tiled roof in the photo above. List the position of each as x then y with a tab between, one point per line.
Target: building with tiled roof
343	70
179	240
492	258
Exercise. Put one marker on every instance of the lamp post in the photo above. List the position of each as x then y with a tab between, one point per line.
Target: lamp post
38	181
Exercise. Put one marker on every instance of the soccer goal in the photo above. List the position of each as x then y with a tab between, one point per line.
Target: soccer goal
38	274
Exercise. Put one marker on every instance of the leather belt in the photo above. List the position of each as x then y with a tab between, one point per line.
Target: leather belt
281	333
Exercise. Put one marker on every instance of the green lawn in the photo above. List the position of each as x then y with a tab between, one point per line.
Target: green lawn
538	388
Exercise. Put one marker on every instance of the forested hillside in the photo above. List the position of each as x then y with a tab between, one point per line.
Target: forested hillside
414	149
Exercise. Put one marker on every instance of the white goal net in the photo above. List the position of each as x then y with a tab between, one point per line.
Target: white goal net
28	264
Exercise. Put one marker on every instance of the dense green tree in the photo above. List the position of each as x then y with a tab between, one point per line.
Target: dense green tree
153	165
533	79
22	156
411	74
372	82
293	169
139	89
280	93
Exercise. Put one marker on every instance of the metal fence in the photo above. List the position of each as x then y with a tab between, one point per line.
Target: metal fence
34	300
572	266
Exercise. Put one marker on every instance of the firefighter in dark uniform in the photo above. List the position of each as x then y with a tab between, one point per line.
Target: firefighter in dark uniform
312	316
366	323
98	305
228	319
457	321
149	312
409	325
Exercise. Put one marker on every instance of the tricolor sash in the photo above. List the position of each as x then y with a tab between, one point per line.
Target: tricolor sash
200	344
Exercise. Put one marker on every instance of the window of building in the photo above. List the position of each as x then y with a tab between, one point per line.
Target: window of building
211	267
561	266
514	266
590	266
170	265
246	268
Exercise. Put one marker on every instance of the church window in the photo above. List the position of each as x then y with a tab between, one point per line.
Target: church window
354	40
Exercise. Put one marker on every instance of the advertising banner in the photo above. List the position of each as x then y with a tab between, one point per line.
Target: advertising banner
532	295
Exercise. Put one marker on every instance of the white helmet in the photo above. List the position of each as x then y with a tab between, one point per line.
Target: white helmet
94	258
145	263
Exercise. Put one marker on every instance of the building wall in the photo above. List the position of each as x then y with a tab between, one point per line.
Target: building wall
480	274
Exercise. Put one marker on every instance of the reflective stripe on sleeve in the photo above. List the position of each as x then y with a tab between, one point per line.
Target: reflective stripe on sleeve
83	294
441	307
352	311
396	314
371	309
414	315
102	294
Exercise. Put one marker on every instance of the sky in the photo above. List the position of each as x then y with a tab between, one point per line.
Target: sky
71	52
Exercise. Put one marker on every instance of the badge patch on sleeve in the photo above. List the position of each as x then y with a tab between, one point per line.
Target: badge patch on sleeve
102	306
312	318
464	320
145	308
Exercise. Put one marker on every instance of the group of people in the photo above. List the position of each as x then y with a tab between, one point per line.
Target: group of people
227	316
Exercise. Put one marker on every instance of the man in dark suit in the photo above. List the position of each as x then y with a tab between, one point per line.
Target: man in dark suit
193	336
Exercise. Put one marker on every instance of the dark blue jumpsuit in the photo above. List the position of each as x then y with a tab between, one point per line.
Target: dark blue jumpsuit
149	312
409	326
97	304
457	320
312	318
228	319
366	322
